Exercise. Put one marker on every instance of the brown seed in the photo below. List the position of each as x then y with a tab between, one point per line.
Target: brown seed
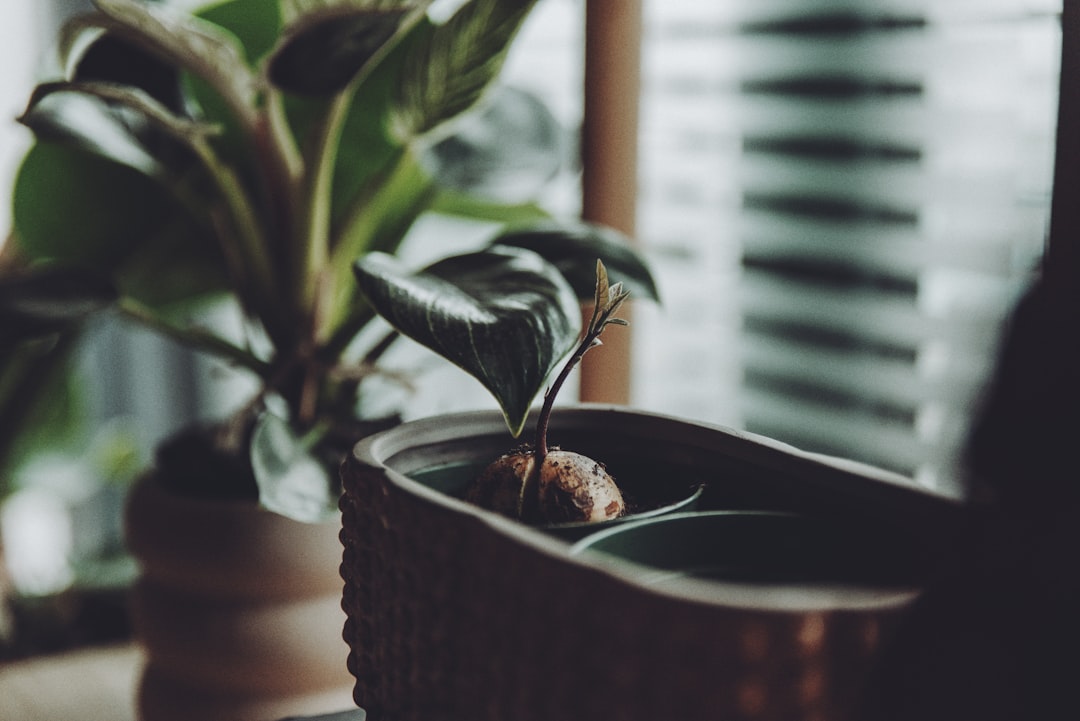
572	488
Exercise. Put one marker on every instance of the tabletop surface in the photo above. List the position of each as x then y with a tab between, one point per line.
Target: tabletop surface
95	684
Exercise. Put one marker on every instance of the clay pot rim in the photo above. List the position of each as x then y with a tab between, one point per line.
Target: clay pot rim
393	451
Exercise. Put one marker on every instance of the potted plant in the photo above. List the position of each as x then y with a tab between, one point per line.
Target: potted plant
255	149
770	601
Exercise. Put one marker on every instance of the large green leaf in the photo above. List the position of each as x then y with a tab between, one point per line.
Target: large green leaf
451	65
73	207
574	249
326	47
505	316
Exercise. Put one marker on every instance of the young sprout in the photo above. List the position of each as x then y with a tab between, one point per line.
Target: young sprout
538	484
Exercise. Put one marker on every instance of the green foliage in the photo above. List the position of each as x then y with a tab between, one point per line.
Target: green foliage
501	314
496	314
258	148
87	187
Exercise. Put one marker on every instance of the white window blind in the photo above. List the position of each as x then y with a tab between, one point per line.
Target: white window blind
842	198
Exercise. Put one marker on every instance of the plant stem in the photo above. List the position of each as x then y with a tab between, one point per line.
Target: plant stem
194	337
605	304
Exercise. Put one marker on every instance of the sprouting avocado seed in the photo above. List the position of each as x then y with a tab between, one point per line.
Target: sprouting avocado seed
572	488
498	487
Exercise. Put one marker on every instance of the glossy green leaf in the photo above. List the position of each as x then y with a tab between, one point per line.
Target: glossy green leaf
574	250
255	25
88	124
325	48
450	66
503	315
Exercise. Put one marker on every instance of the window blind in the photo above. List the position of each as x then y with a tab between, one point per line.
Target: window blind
843	198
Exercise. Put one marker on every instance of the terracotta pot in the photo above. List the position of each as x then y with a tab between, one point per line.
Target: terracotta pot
457	613
238	610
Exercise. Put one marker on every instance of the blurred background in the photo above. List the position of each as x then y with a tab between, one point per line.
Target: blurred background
842	201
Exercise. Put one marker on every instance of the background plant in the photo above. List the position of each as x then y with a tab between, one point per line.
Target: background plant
256	149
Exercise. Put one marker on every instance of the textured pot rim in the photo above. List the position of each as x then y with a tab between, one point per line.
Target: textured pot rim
856	479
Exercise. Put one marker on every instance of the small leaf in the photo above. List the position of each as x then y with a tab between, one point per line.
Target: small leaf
503	315
574	249
291	481
48	301
326	48
602	296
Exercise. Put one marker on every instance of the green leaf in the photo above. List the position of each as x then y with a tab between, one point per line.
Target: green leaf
187	42
42	401
122	124
291	481
73	207
115	60
574	250
366	152
88	124
449	67
503	315
325	48
507	152
255	23
49	301
179	265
